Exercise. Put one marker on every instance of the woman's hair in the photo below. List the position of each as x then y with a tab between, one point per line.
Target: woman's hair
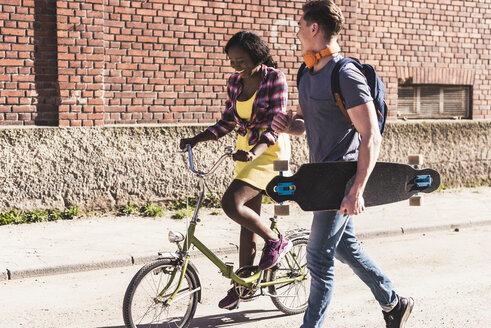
326	14
251	43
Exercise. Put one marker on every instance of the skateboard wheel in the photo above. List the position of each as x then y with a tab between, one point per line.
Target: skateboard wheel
281	210
416	201
280	165
415	159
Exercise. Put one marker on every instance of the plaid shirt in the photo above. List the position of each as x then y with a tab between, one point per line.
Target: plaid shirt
271	98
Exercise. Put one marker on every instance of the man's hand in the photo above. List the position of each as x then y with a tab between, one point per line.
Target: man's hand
289	123
243	156
281	122
352	204
365	121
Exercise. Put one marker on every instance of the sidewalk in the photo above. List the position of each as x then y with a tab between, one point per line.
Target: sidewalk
85	244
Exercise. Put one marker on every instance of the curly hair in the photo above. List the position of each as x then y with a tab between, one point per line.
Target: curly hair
325	13
251	43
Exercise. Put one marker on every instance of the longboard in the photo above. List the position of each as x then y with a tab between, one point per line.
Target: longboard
322	186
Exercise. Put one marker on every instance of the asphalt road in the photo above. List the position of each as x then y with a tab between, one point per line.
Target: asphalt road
448	273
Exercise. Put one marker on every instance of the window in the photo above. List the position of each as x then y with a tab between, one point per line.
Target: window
433	101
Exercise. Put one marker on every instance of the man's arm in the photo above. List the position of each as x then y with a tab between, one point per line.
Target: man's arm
365	121
285	123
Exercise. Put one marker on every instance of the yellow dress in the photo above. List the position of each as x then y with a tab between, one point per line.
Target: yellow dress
260	171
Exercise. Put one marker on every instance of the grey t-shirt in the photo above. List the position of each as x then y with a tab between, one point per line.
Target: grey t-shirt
330	136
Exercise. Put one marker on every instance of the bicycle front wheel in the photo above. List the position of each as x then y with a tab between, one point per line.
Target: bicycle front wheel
142	305
292	297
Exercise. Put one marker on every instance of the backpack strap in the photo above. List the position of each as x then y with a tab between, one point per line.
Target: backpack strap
300	72
335	87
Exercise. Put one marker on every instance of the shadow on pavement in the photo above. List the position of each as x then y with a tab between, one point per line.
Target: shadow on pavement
227	320
231	319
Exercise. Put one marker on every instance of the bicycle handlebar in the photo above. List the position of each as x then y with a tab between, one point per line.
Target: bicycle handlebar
228	153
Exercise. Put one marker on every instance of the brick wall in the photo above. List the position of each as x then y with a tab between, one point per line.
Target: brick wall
96	62
29	91
428	41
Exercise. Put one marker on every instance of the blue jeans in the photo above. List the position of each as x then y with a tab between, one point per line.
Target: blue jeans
332	235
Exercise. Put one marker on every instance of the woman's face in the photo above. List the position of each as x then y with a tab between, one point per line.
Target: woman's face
242	63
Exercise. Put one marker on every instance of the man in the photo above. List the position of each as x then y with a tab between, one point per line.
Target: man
331	137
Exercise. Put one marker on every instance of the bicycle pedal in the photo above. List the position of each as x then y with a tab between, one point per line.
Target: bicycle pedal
235	307
249	298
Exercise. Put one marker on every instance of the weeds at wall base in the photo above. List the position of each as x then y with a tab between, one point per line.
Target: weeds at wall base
177	207
19	217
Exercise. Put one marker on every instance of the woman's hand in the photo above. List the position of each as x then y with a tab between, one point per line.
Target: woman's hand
244	156
200	137
187	141
249	156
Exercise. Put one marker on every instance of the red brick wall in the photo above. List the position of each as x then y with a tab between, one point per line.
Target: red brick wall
95	62
28	63
428	41
81	62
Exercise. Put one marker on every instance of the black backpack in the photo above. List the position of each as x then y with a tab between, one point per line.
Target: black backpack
377	88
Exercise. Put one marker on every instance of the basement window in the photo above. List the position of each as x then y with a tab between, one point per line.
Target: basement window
434	102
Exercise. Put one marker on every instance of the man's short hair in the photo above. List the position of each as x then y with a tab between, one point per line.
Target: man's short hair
325	13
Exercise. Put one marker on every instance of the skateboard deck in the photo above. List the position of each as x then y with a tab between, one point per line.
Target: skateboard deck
322	186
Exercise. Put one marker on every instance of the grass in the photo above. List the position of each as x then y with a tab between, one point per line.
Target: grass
177	207
211	200
181	213
441	187
18	217
148	210
128	209
152	210
14	216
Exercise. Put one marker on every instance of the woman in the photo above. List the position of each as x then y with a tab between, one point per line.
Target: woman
256	92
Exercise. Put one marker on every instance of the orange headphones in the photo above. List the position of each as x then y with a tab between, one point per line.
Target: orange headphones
311	58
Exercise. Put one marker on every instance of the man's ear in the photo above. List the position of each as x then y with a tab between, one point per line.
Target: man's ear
314	27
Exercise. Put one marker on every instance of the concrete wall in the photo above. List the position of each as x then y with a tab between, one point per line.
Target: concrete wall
106	167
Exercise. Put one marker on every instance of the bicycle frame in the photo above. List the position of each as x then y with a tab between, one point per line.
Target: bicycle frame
226	269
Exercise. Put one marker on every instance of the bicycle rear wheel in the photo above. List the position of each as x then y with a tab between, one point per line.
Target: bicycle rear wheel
292	297
142	307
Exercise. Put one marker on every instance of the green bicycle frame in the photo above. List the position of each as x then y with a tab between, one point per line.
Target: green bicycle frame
226	270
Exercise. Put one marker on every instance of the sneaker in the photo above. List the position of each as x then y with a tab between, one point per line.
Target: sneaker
273	252
398	316
231	301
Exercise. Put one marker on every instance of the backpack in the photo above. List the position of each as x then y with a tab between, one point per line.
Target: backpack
377	88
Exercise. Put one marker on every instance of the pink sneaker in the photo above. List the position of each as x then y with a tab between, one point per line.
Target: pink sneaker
273	252
231	301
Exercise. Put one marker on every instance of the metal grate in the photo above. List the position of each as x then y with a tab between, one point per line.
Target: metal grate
433	101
